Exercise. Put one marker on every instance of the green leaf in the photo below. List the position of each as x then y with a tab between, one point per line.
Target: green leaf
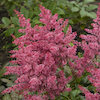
92	15
70	21
52	6
10	10
6	97
58	11
70	4
24	11
75	92
36	22
15	21
6	80
29	2
91	7
14	95
6	21
17	34
2	70
9	82
9	31
77	0
31	14
88	1
67	69
83	12
74	9
81	3
1	88
65	93
36	10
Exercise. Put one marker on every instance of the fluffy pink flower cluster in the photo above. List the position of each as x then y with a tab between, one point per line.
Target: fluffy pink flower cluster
44	49
88	94
41	50
91	46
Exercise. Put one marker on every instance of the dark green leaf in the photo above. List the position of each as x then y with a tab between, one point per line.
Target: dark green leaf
24	11
52	6
1	25
10	10
31	14
36	10
9	31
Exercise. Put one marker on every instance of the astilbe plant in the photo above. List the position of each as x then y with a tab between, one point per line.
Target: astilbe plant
41	50
91	45
44	49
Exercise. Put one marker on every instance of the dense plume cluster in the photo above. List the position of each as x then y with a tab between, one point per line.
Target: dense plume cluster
44	49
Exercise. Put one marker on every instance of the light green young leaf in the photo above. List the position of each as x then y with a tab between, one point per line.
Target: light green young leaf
75	92
74	9
1	88
29	2
9	82
73	2
14	95
91	7
6	21
6	80
67	69
83	12
81	3
58	11
69	4
15	20
77	0
6	97
92	15
88	1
